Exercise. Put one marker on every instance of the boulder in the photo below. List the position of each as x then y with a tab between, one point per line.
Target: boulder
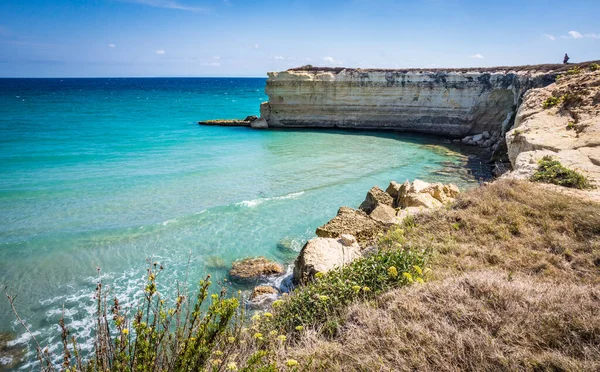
417	186
350	221
394	189
384	214
260	123
252	269
251	118
478	137
375	197
324	254
424	200
466	140
262	291
486	135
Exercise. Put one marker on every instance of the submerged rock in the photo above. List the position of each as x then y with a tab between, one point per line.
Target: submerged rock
324	254
350	221
251	269
261	291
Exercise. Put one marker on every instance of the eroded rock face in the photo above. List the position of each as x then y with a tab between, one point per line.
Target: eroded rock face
568	131
376	197
442	102
324	254
252	269
350	221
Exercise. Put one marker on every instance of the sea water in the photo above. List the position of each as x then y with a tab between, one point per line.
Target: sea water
107	173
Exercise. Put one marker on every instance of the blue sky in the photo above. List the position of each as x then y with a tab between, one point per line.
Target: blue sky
77	38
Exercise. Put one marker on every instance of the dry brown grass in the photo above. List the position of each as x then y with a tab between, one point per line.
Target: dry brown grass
478	322
515	281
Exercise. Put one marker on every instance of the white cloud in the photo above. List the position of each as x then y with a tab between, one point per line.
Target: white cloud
112	45
550	37
279	57
168	4
592	36
575	35
579	35
332	61
477	55
160	51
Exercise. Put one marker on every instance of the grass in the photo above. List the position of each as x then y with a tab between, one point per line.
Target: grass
320	303
551	102
552	171
514	286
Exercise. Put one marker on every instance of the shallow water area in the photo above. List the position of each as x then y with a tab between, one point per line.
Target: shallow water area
109	172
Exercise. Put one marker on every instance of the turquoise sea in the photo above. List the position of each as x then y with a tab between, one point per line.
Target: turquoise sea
109	172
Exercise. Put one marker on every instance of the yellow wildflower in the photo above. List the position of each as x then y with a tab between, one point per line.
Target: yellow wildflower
356	288
216	362
256	317
392	272
366	289
408	277
214	296
291	362
218	353
323	298
125	331
258	336
418	270
299	328
282	338
420	280
277	303
268	315
231	340
319	275
273	333
232	366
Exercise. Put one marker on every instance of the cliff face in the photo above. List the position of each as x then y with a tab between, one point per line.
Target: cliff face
450	103
568	129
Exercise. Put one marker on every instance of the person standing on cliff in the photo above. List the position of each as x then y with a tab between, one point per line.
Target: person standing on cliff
566	59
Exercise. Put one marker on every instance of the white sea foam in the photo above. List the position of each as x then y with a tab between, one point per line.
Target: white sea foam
255	202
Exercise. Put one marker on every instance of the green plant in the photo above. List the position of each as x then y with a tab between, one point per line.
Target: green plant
551	102
574	71
552	171
320	303
571	125
594	67
203	332
570	99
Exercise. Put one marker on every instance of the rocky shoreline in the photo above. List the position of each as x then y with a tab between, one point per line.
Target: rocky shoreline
350	235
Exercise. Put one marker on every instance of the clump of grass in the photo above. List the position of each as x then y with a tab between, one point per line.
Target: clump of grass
551	102
574	71
594	67
320	303
552	171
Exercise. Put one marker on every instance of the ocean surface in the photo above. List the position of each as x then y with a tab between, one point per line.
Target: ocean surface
106	173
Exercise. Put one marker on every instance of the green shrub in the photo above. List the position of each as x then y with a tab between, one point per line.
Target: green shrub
551	102
552	171
571	99
571	125
193	334
594	67
320	303
574	71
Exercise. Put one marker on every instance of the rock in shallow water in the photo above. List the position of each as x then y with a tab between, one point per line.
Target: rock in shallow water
251	269
261	291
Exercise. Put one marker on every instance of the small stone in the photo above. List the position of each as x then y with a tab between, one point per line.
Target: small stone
486	135
263	290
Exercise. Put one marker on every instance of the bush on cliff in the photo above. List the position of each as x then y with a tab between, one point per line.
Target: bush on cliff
320	303
552	171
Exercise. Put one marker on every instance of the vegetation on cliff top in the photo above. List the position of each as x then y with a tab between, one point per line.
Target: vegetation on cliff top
552	171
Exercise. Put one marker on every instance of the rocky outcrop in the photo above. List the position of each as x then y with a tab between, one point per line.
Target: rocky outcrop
375	197
350	221
324	254
561	120
444	102
252	269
